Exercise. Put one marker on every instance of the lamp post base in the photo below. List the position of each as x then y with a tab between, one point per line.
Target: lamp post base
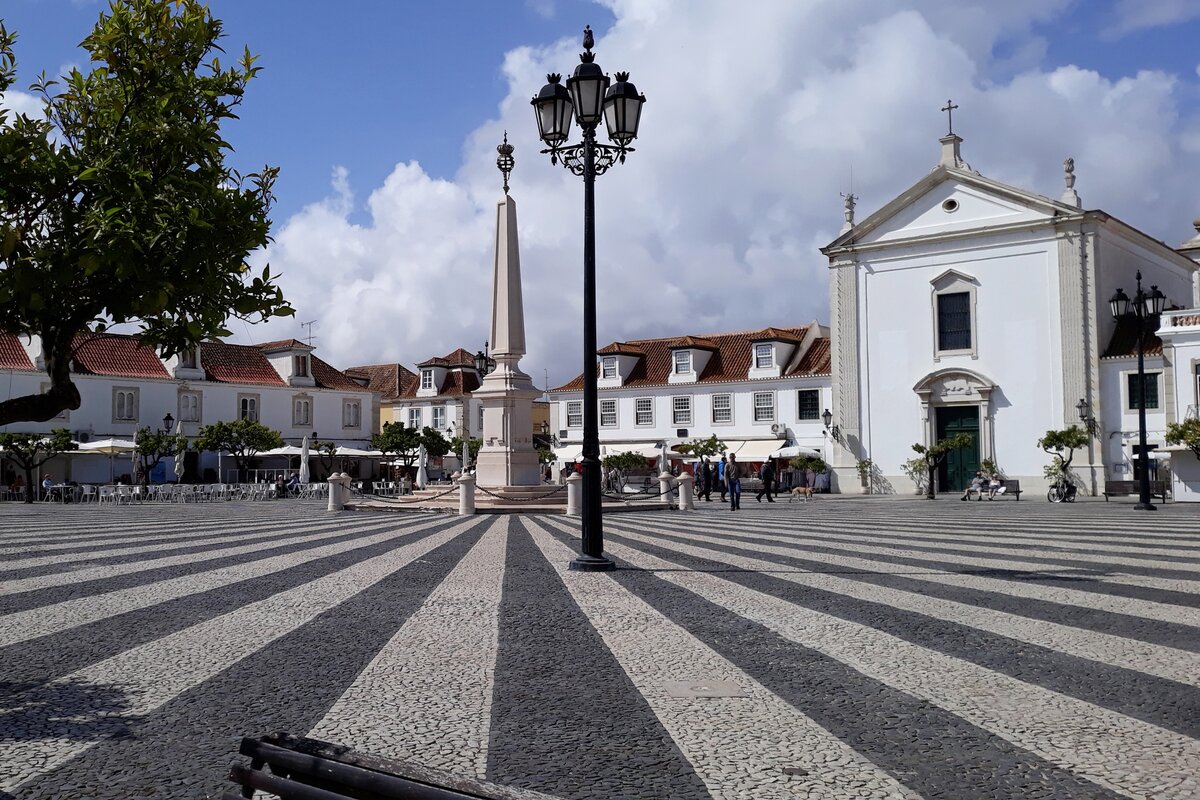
586	563
1145	507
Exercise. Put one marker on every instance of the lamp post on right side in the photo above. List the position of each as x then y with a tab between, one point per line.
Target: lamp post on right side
1145	308
588	97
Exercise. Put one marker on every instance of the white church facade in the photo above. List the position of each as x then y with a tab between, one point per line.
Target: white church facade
968	306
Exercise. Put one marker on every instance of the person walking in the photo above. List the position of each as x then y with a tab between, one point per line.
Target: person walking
733	481
721	477
767	474
706	480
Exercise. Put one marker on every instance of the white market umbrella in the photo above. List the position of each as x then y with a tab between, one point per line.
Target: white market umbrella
466	456
108	447
305	476
422	477
178	456
354	452
286	450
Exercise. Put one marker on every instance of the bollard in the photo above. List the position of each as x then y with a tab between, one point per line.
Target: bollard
664	485
574	495
685	492
339	491
466	495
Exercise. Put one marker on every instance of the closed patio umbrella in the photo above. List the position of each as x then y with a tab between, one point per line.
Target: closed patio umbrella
178	456
422	477
305	476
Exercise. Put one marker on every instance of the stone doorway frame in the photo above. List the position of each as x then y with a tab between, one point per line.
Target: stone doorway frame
958	386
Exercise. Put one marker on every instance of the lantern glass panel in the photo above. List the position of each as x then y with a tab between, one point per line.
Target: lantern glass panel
621	115
587	94
1119	304
1155	301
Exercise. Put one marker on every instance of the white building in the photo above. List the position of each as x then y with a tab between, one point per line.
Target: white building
125	386
1180	332
966	305
757	391
437	395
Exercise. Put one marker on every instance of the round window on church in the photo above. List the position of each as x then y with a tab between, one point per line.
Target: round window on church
950	206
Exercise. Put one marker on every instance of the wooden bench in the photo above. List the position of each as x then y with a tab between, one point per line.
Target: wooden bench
309	769
1123	488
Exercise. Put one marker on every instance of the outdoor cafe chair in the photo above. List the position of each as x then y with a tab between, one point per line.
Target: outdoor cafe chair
124	495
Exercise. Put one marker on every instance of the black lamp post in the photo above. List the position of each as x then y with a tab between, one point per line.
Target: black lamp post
1145	307
168	423
834	430
1085	416
484	363
588	96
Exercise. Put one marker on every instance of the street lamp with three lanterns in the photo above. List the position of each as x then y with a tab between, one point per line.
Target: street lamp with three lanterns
588	97
1145	307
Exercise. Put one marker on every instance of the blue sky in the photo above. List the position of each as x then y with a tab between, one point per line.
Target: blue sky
383	116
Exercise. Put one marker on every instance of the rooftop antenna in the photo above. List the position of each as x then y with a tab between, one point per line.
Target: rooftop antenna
309	325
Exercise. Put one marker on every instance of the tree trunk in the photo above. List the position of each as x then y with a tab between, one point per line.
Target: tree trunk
29	484
63	394
929	490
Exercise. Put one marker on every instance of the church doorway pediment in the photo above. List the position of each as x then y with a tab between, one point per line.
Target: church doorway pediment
954	385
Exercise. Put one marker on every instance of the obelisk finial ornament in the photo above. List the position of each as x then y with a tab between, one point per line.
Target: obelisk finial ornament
505	162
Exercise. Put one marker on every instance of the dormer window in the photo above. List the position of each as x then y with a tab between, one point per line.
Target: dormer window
300	366
683	362
764	356
426	379
608	367
187	359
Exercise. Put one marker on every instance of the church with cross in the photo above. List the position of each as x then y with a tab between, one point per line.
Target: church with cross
965	305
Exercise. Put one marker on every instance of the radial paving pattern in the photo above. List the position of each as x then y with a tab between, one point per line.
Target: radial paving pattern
871	648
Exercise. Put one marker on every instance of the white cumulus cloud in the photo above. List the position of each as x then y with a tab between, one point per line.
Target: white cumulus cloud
757	114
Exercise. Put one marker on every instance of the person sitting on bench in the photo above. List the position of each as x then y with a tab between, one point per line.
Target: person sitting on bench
975	486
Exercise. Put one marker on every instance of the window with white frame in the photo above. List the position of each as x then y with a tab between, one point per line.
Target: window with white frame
681	410
426	379
414	418
301	366
808	404
189	407
439	418
125	404
722	409
764	356
608	367
301	411
608	413
574	413
351	413
481	418
764	406
248	407
644	411
683	362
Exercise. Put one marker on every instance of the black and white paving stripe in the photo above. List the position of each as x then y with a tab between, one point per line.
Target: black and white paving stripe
876	648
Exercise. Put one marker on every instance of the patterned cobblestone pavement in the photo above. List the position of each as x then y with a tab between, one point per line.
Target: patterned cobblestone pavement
868	648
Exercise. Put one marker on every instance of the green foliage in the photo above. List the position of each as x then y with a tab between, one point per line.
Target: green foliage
545	455
933	455
1186	433
473	444
152	447
711	447
30	450
326	452
806	463
116	203
241	438
1062	444
398	440
989	468
864	467
917	471
622	463
436	445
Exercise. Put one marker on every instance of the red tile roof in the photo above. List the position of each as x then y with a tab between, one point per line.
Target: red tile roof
730	360
816	360
775	335
458	358
116	355
12	354
389	380
329	378
621	349
458	382
283	344
236	363
1123	343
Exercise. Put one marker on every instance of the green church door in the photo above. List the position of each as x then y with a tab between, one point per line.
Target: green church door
960	466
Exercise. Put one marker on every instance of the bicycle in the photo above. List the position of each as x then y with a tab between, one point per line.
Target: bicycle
1062	490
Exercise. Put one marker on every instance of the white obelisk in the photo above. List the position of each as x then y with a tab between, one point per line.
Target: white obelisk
507	457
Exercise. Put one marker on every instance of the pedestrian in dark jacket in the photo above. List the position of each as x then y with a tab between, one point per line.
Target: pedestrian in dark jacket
767	473
706	480
733	482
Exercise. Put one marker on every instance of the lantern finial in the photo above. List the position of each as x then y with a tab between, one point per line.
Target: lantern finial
505	162
587	56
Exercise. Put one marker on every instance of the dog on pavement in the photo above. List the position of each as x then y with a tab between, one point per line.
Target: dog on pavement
801	491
